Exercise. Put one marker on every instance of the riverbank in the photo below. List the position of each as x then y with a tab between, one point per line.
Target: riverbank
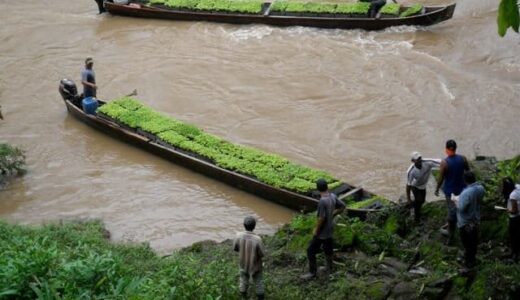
386	257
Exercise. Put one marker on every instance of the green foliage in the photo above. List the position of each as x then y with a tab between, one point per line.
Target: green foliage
74	261
510	168
243	6
359	8
271	169
368	202
494	280
279	6
412	10
313	7
508	16
391	9
12	161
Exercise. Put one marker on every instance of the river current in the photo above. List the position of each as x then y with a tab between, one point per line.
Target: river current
351	102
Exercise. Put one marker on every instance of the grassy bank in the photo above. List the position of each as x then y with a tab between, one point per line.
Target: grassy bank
386	257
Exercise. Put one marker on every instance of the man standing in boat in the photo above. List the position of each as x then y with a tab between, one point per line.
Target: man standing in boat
375	6
452	181
416	180
88	79
328	207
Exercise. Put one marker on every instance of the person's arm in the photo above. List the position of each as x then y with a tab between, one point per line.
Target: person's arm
443	169
261	249
514	207
408	197
89	84
338	208
235	245
319	224
409	180
463	201
84	81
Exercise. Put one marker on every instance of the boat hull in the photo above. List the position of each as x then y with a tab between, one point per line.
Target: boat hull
283	197
432	16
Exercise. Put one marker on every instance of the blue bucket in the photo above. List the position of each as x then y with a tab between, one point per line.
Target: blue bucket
90	105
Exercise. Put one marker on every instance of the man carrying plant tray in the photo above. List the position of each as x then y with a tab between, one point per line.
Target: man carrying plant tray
328	207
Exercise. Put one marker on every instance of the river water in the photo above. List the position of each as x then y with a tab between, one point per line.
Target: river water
353	103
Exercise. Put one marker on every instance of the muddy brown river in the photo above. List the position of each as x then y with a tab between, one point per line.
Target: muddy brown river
353	103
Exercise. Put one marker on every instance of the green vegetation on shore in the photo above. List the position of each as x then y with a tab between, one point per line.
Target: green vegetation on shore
268	168
12	161
387	256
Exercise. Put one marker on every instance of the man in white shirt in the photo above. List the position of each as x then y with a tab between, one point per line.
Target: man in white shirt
417	179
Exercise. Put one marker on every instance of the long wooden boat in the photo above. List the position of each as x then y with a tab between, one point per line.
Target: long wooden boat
281	196
429	16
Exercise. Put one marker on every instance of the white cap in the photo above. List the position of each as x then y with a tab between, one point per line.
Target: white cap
416	155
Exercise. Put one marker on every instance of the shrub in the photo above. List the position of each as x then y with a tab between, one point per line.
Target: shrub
12	161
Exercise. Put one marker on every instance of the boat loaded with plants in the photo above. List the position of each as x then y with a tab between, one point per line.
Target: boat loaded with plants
286	13
266	175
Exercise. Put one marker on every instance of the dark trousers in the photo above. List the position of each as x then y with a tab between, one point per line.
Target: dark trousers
514	236
314	248
100	6
375	6
452	217
419	199
469	238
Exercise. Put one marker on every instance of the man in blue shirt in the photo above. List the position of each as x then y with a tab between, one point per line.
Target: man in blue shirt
451	179
468	217
88	79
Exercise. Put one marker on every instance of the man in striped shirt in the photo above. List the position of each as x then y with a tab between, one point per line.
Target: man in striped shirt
250	252
417	179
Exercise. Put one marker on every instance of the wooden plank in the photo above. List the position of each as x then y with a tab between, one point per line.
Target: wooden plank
351	192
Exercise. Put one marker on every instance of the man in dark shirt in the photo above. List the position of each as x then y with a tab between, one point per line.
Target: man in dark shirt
88	79
452	182
328	207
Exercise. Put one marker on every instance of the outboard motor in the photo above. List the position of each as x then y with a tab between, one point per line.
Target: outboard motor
69	91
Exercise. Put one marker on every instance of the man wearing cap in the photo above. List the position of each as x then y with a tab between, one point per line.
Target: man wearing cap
452	181
328	207
417	178
88	79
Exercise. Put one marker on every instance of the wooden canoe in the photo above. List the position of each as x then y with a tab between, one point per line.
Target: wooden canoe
431	15
283	197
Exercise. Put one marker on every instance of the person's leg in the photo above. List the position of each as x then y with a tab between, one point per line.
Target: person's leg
329	254
472	245
464	240
258	280
419	199
312	250
243	284
452	219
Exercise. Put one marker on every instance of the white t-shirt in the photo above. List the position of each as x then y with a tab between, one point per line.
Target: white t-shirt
514	196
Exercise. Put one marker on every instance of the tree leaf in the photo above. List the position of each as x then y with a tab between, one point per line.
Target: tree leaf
508	16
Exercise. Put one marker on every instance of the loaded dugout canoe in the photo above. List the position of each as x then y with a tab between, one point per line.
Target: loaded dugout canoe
194	162
429	15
